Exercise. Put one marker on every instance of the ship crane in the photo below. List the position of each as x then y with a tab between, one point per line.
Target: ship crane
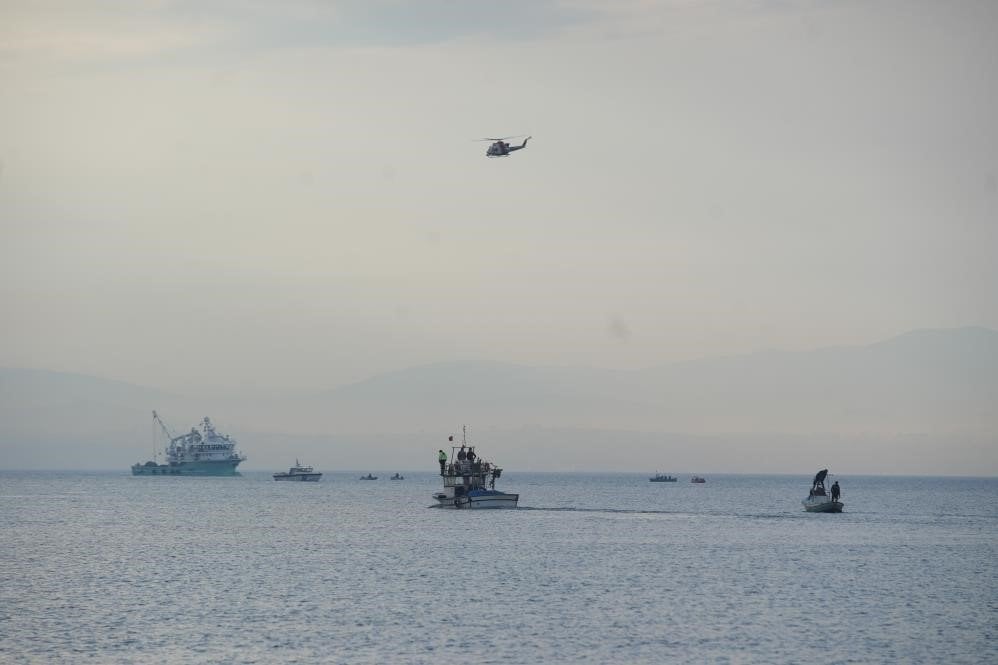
166	430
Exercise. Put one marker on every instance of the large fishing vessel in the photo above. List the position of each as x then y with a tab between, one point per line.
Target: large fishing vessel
197	453
470	481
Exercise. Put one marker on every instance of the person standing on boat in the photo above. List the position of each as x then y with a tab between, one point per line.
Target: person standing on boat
835	491
442	458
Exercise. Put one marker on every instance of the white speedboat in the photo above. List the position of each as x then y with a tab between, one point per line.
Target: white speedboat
470	481
299	473
817	500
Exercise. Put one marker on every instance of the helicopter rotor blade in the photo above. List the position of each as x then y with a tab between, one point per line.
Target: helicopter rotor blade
502	138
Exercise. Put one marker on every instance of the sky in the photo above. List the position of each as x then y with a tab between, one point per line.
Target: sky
289	196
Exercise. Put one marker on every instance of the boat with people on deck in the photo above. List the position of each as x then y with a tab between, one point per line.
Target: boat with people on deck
698	480
299	472
662	478
368	477
397	476
470	481
818	500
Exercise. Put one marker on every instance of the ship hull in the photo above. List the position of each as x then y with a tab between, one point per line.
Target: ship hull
820	504
220	468
299	477
490	501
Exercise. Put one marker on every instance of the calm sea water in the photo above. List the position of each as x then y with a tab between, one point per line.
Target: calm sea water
104	567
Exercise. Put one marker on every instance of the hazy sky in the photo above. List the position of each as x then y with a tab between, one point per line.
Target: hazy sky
288	194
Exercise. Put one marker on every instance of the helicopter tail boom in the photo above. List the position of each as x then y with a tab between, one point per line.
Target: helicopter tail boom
518	147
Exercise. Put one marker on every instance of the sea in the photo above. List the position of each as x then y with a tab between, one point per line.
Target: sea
591	568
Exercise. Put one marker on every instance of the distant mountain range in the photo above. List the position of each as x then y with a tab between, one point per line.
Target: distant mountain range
923	381
938	386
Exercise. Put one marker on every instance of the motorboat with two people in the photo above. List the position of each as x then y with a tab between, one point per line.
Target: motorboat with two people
699	480
203	452
368	477
397	476
818	500
470	481
300	473
662	478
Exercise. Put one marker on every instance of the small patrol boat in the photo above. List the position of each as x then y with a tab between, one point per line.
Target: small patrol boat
662	478
470	481
368	477
817	500
300	473
698	480
397	477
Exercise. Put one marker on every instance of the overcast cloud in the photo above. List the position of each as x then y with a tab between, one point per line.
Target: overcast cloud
287	195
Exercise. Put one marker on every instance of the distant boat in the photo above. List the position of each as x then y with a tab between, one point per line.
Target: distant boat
368	477
197	453
817	500
299	473
662	478
698	479
397	477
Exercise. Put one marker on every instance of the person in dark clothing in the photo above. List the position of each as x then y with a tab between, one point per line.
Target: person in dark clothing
461	455
835	491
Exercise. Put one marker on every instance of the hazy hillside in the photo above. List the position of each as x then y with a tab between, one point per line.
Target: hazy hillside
923	381
71	420
934	391
938	381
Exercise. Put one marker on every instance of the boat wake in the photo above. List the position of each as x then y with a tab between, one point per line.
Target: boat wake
614	511
634	511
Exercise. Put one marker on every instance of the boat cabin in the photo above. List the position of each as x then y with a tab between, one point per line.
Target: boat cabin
467	471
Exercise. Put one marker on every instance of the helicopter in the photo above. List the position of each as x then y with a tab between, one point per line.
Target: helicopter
502	149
